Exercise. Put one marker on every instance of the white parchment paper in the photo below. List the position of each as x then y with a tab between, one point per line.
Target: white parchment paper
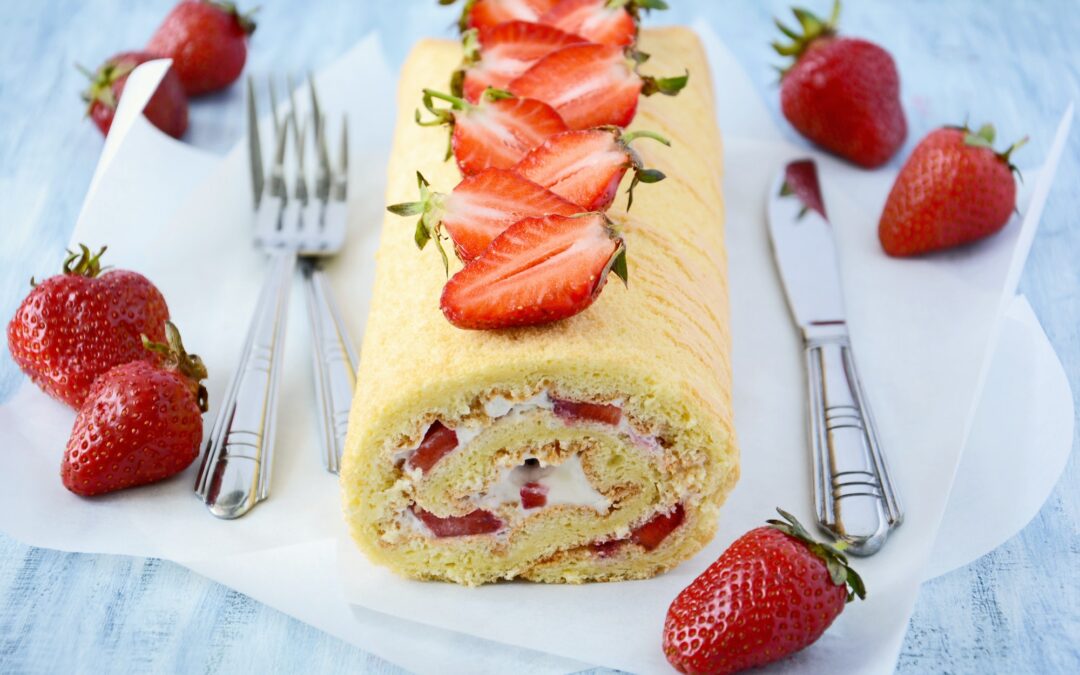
922	333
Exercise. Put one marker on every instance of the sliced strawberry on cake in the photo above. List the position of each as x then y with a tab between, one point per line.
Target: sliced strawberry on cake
496	55
484	13
592	85
585	167
496	133
538	271
479	209
606	22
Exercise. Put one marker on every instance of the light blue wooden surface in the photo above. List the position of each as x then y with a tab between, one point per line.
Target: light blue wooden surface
1015	62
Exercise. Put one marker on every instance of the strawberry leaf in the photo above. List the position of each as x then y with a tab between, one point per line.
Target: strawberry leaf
668	86
421	236
618	266
175	357
813	28
651	175
406	208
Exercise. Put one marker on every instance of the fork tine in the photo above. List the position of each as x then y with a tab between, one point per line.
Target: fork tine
322	181
292	108
342	182
315	108
273	104
254	146
300	137
277	172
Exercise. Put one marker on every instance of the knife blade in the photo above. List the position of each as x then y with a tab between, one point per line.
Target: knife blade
854	497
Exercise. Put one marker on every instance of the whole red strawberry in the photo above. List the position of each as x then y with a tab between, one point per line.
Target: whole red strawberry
76	325
207	42
142	422
167	109
842	93
771	593
953	189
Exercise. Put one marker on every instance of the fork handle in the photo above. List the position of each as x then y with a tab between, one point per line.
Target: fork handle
236	468
335	363
853	492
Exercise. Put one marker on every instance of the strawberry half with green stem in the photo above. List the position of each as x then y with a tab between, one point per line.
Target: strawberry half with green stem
141	422
592	85
77	325
168	106
495	55
841	93
497	132
773	592
538	271
207	41
585	167
954	189
478	210
486	13
606	22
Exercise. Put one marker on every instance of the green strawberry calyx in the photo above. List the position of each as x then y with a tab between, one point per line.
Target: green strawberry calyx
668	86
83	262
813	28
429	207
175	357
635	7
641	174
102	81
246	20
447	115
984	138
836	562
470	47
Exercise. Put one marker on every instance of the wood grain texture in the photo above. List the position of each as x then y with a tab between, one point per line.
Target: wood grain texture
1013	62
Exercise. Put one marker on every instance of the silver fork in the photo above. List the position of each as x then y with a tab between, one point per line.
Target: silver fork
236	470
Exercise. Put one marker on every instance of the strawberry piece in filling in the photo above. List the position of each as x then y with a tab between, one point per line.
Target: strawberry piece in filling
475	522
653	531
606	549
533	496
576	411
648	535
438	442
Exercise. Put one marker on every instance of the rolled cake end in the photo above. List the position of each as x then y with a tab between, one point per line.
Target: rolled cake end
544	482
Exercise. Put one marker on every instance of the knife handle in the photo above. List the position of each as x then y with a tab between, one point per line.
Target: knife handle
853	492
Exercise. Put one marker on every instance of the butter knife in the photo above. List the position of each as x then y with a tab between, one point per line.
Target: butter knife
854	497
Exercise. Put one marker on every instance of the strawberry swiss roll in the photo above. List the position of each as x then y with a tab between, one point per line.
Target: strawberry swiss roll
591	441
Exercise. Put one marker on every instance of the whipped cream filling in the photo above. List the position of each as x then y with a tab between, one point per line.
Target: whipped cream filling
566	483
500	406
